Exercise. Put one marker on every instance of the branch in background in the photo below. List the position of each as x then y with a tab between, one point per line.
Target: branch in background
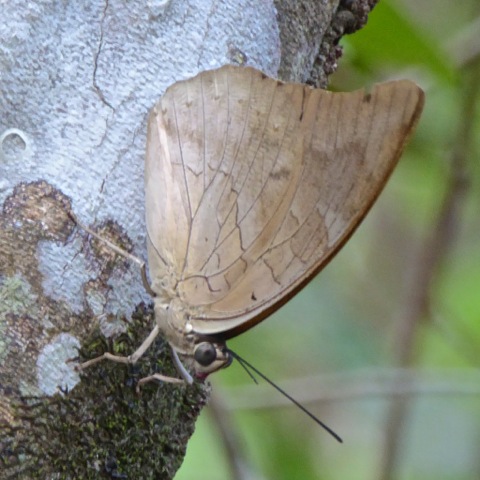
219	411
426	265
361	384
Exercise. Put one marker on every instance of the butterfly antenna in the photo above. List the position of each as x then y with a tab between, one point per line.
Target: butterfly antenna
245	367
248	367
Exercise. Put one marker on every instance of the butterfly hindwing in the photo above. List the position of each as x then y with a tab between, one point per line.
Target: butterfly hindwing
252	185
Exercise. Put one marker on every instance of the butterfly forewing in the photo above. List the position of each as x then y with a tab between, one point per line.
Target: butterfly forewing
252	185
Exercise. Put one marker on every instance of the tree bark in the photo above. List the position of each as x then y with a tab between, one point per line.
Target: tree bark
77	82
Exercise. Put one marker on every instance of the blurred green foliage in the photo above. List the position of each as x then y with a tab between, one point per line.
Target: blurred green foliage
344	326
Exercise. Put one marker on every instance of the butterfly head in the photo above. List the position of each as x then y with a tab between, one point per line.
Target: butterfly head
210	356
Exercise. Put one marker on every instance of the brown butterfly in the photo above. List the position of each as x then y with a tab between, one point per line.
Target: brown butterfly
252	185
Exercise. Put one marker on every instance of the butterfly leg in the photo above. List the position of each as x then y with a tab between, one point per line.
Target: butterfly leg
181	369
130	360
187	378
158	377
118	250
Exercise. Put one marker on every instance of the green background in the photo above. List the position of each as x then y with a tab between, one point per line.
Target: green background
336	343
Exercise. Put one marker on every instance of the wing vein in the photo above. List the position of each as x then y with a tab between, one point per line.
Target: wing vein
184	180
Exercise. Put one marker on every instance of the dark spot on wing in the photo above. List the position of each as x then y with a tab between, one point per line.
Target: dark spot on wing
280	174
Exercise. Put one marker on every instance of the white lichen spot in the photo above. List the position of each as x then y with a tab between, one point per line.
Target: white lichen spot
54	371
111	325
64	273
17	297
96	300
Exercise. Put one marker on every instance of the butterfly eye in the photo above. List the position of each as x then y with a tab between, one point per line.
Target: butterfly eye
205	354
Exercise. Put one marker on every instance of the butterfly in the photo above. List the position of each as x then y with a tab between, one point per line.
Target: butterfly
252	185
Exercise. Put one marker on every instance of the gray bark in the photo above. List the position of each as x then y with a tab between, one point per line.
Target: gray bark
77	80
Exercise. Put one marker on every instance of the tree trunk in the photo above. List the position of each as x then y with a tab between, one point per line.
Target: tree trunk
77	82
